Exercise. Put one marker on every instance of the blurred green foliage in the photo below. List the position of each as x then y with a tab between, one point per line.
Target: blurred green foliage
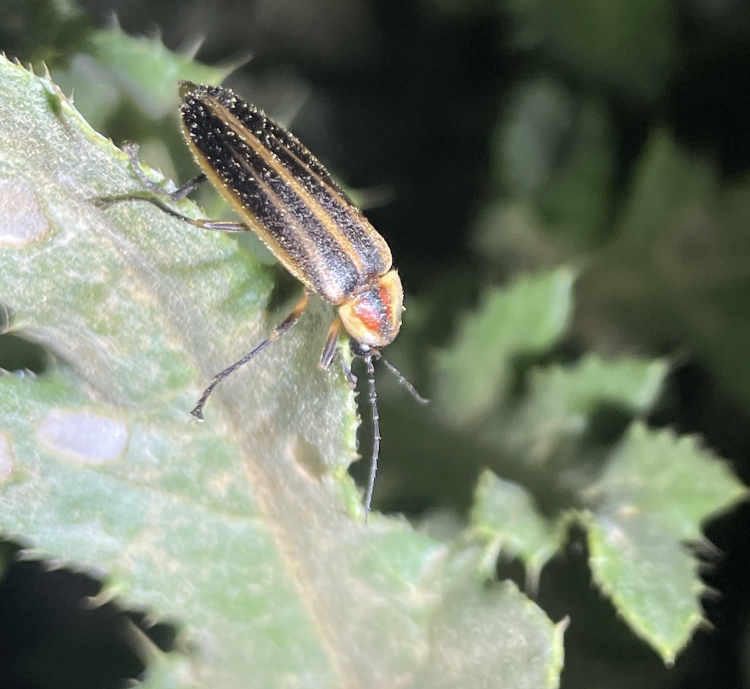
566	198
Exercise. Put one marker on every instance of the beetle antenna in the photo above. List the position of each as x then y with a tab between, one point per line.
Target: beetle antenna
401	379
376	432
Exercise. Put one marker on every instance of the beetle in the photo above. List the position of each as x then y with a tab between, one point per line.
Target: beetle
283	193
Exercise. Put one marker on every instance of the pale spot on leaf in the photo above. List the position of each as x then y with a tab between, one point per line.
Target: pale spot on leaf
83	436
22	218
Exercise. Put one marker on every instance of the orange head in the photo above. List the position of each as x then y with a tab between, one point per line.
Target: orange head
373	318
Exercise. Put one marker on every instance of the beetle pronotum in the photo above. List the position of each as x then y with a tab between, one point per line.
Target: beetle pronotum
283	194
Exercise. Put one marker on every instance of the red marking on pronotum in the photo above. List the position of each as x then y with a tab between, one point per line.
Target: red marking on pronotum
368	313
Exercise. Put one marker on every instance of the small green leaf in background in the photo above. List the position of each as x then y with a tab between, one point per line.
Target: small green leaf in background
576	203
649	505
677	270
630	383
505	517
116	68
476	370
246	528
562	402
537	128
148	71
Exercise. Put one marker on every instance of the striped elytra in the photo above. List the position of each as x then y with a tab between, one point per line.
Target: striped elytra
284	194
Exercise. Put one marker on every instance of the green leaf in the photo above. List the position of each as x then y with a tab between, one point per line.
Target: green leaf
652	497
677	271
170	672
668	181
505	518
148	71
548	430
519	646
576	203
245	528
117	68
651	500
554	157
632	384
476	370
536	130
546	435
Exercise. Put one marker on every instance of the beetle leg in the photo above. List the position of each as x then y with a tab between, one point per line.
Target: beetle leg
278	331
348	374
104	202
331	345
131	149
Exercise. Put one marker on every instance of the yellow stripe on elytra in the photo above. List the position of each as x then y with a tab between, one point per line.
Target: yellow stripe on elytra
308	199
330	288
254	223
363	223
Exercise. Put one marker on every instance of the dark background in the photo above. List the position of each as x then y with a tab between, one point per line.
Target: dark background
449	118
